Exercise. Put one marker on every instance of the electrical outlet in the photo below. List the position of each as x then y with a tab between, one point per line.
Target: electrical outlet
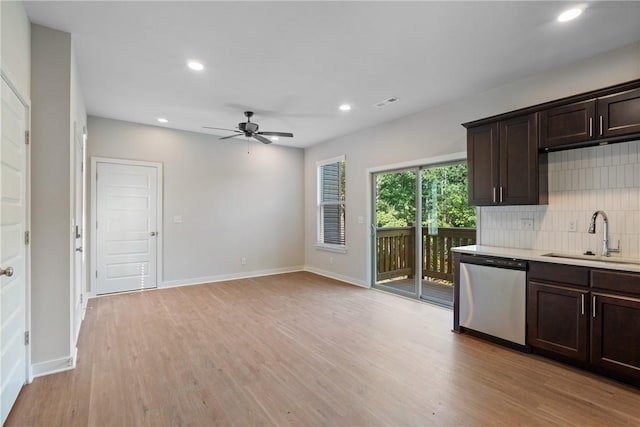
526	224
243	260
330	260
572	225
360	220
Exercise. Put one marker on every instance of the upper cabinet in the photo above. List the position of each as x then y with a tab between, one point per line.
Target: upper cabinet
506	154
503	163
619	114
583	122
567	124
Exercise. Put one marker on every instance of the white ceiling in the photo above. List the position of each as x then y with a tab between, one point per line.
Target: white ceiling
293	63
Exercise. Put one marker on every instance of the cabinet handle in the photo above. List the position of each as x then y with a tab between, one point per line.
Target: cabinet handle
593	307
582	301
500	194
494	194
590	126
600	125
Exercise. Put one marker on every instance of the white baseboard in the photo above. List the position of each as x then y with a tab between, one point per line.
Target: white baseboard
340	277
54	366
224	277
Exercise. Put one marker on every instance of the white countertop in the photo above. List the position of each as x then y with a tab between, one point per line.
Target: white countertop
537	255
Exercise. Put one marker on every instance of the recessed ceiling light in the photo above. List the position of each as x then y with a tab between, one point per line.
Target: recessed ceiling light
345	107
195	65
163	120
274	138
569	14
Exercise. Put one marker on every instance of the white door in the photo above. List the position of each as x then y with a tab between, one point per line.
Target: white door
78	231
127	227
13	254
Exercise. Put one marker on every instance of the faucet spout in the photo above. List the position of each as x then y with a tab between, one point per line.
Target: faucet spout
606	250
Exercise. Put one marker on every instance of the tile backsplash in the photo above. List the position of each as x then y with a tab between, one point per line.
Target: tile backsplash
581	182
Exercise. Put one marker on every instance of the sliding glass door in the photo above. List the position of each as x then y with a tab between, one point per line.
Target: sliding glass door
395	231
412	257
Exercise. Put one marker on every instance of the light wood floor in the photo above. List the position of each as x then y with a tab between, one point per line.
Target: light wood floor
299	349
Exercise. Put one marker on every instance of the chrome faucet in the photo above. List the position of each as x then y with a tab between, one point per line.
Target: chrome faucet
606	250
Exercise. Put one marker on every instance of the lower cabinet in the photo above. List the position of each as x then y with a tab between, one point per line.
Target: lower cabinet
615	335
558	320
592	321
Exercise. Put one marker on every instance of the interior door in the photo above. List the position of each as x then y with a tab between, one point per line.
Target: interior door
13	254
127	227
79	227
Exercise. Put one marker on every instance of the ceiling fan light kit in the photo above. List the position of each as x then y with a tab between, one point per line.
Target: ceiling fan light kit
250	130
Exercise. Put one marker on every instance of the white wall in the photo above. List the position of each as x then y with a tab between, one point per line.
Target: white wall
57	104
233	204
436	132
15	36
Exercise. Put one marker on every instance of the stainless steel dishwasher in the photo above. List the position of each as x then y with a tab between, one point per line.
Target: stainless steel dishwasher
493	296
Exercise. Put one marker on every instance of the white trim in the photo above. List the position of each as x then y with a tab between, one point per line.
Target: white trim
336	159
429	161
225	277
92	214
54	366
335	276
339	249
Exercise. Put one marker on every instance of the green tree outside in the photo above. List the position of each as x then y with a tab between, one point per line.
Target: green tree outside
444	198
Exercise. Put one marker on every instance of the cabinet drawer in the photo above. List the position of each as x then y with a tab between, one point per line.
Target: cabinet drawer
559	273
616	281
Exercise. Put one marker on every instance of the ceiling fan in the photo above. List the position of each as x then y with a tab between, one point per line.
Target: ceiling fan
250	130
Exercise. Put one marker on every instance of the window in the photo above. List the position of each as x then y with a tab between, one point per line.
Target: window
331	204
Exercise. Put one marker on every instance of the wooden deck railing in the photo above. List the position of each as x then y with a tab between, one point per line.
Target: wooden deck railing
396	251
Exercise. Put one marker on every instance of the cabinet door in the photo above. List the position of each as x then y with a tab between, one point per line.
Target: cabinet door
615	334
518	183
558	319
567	124
619	114
482	160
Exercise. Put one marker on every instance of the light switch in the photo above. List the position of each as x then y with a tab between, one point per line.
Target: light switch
177	219
360	220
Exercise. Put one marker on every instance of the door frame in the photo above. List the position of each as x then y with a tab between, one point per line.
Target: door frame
27	221
395	167
93	216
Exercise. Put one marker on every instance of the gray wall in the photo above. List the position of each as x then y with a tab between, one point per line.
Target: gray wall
435	132
233	204
15	45
56	104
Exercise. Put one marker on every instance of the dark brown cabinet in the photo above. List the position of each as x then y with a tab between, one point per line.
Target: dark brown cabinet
619	114
503	163
581	123
588	316
615	323
558	320
567	124
558	309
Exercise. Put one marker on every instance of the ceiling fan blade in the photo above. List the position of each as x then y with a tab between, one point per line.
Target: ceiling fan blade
284	134
231	136
261	139
230	130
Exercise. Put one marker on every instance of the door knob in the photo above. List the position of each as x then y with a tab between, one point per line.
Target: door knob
153	233
79	249
6	271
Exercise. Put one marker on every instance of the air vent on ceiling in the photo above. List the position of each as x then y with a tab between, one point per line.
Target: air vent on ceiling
386	102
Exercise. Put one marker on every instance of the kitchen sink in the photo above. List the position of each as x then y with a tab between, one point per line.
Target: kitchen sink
596	258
